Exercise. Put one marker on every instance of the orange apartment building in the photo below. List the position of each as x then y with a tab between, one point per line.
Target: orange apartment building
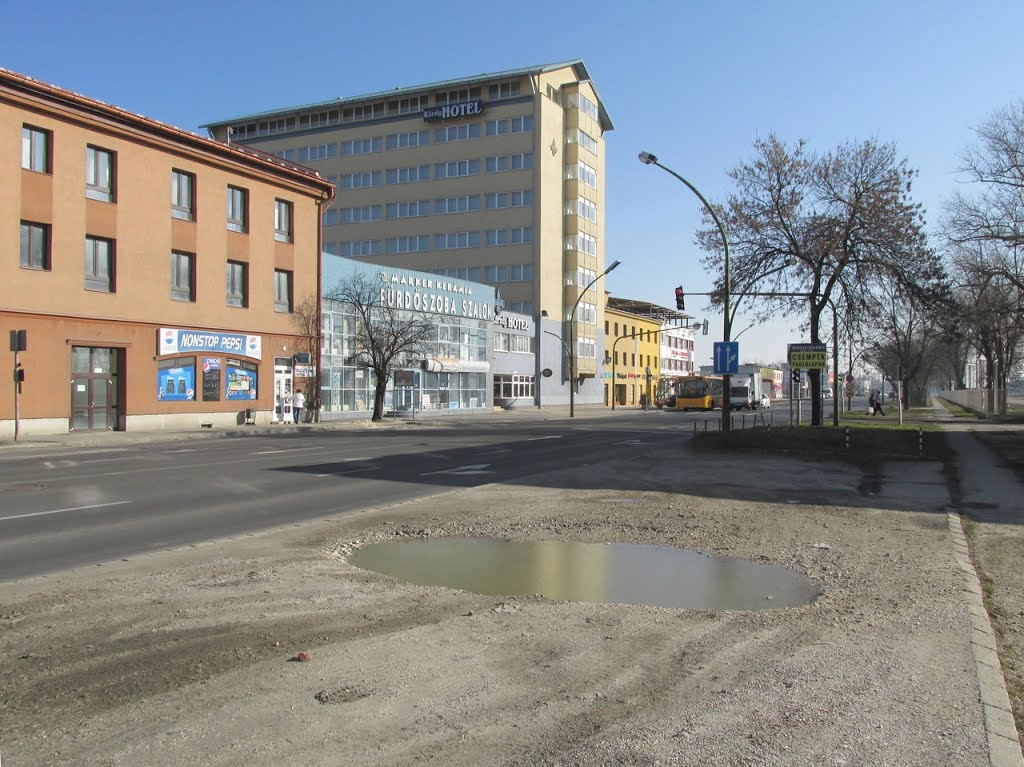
155	273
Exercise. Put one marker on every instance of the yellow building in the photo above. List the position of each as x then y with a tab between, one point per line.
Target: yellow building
496	178
631	356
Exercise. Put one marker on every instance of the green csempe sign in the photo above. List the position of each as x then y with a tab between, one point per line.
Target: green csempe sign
808	356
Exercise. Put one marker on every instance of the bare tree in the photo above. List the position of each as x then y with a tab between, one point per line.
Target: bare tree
386	337
843	219
996	212
307	323
984	232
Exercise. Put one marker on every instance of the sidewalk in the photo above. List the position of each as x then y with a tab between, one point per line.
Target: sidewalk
986	493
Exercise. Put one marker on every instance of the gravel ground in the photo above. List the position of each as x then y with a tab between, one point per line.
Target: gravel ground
274	650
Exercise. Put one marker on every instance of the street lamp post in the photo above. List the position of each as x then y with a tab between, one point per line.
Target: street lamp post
649	159
572	339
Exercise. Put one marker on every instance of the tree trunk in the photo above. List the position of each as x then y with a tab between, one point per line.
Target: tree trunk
378	397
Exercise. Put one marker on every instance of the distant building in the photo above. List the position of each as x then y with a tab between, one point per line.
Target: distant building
644	343
496	178
157	272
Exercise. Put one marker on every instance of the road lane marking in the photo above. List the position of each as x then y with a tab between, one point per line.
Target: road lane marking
475	468
553	436
350	471
289	450
61	511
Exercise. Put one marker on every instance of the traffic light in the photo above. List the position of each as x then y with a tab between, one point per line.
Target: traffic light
704	330
680	298
796	376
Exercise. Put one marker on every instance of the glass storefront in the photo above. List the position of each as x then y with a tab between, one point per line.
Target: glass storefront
455	377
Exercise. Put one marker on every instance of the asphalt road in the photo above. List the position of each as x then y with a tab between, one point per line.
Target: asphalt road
74	507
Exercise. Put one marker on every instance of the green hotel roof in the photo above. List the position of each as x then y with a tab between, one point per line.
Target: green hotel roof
576	64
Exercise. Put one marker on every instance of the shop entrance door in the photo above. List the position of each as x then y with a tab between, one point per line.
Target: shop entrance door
282	390
94	389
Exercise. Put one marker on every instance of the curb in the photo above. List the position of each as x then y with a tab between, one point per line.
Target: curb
1003	745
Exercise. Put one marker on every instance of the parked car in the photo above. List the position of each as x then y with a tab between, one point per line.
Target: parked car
826	392
766	402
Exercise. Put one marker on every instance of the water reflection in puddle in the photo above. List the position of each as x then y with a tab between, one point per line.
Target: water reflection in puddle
586	572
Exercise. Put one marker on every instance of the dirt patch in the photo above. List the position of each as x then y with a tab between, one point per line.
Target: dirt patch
191	657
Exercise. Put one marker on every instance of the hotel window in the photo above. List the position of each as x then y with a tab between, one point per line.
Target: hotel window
583	172
513	236
510	125
409	175
457	133
583	208
35	245
357	248
408	140
585	105
99	264
282	221
183	199
456	169
413	244
505	162
365	112
554	94
407	106
584	243
409	209
237	284
360	146
497	200
456	96
361	214
238	209
99	174
183	271
503	91
319	119
35	149
313	153
360	180
282	291
586	141
457	240
464	204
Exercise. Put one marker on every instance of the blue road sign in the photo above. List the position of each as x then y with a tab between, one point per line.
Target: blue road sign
727	357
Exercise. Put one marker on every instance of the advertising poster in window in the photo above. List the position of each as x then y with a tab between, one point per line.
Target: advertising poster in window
241	383
176	384
211	379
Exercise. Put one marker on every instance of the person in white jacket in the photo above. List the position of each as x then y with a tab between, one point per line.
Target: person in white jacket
298	402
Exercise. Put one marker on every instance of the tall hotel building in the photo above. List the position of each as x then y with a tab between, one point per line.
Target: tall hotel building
496	178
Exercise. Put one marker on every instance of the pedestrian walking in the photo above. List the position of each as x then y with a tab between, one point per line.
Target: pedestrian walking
298	402
878	403
643	400
871	403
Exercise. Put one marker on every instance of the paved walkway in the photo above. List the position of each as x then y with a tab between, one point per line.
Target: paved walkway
990	493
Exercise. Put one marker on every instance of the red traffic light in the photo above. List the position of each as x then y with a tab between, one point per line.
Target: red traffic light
680	301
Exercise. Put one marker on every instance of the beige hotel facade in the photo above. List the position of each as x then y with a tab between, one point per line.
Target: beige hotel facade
496	178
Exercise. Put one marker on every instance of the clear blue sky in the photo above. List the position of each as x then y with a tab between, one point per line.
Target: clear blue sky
693	82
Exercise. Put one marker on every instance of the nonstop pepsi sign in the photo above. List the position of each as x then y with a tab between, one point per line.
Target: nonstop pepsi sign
184	341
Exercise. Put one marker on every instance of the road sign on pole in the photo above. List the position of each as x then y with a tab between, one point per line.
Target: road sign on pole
727	358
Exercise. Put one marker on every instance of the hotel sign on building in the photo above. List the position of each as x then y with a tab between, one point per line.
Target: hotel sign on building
454	111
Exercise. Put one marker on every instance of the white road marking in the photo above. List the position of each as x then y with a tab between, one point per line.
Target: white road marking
350	471
475	468
289	450
61	511
553	436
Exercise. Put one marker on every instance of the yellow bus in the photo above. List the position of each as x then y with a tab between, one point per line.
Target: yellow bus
697	392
